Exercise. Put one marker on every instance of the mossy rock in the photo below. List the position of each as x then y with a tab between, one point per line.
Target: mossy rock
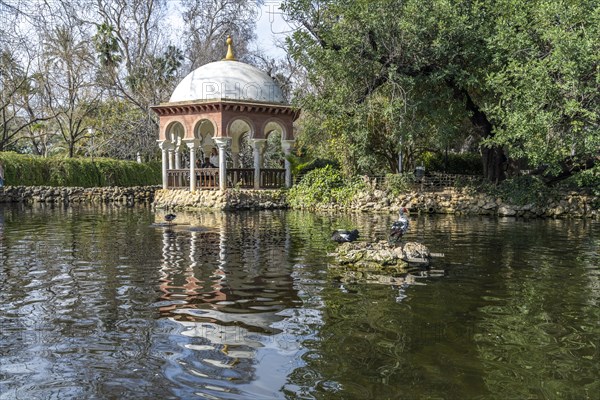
378	262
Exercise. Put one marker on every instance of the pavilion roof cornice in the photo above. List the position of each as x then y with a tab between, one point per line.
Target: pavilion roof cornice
191	107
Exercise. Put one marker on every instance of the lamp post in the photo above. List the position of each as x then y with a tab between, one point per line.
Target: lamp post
91	132
400	158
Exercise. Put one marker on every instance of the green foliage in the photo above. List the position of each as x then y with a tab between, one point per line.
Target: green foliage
27	170
547	79
523	190
588	179
463	163
301	166
107	46
324	186
398	184
158	70
523	75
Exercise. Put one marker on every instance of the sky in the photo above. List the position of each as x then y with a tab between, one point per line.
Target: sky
270	27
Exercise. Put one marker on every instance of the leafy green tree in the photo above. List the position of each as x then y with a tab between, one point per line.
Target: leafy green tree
449	61
116	125
107	47
546	80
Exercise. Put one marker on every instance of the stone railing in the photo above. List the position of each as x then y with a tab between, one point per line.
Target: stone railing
240	178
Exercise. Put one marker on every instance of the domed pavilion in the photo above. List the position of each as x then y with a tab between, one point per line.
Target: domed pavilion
216	106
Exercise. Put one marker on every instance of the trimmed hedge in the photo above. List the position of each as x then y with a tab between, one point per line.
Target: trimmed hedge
29	170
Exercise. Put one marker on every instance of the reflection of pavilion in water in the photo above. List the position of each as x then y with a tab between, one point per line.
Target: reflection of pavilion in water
227	287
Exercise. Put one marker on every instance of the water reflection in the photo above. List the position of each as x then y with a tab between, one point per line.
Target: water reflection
229	287
98	303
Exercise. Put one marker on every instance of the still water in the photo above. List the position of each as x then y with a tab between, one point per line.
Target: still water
100	304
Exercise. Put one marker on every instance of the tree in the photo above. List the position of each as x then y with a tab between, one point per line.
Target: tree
107	46
18	98
209	22
546	81
69	86
460	52
116	126
140	66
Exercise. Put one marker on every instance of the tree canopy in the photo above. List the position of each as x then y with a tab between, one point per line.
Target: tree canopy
78	78
521	78
514	81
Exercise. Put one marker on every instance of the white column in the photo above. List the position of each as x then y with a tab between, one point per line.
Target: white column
178	156
171	158
258	146
286	146
193	145
165	146
222	143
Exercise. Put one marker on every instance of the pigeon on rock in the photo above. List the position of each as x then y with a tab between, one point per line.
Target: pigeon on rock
343	236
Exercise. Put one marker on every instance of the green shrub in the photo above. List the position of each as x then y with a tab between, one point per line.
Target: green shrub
588	179
28	170
324	186
523	190
397	184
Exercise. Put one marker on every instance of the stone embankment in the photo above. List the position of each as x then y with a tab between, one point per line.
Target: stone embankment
449	201
214	199
463	201
127	196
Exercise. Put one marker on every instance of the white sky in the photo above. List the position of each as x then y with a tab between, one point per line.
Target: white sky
271	27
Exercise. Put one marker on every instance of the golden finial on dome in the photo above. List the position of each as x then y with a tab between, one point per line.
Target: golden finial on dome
229	55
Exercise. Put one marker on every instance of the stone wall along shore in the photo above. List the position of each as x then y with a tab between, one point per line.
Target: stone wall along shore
449	201
128	196
464	201
214	199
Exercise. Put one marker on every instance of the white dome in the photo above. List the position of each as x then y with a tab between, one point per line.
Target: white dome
228	79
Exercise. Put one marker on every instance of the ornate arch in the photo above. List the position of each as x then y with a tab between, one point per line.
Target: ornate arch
174	131
274	121
202	127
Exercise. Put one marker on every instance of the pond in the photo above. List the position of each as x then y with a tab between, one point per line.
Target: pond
98	303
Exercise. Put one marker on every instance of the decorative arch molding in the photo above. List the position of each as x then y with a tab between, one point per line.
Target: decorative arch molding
236	130
203	126
274	121
174	131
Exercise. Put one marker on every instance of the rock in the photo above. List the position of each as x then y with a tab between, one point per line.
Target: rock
490	206
415	250
505	211
379	262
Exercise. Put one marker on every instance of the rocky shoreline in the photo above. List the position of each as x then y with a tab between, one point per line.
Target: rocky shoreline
464	201
448	201
126	196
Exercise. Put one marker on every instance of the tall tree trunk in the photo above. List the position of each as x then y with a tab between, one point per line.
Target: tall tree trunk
493	158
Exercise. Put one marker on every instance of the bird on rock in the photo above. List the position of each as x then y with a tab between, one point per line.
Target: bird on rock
170	217
342	236
400	227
